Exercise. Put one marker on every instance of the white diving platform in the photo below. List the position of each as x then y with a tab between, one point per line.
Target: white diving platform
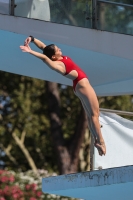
107	184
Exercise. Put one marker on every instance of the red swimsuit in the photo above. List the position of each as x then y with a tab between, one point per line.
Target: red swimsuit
70	65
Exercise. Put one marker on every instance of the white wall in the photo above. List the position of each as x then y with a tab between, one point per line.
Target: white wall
118	135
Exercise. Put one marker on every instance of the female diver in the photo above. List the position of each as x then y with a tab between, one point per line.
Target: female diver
53	57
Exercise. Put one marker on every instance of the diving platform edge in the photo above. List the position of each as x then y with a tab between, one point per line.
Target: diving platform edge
111	184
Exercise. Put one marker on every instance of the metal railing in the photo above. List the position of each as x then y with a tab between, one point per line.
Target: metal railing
119	112
95	9
115	3
92	14
12	6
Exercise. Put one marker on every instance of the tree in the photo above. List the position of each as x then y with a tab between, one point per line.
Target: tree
124	103
115	18
26	126
71	12
67	150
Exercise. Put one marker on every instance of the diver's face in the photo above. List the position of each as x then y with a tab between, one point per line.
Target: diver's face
58	53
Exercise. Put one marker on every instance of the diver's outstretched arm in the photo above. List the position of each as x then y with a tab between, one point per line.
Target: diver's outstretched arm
54	65
37	42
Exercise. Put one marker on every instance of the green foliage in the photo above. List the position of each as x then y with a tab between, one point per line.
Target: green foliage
116	18
29	112
72	12
124	103
70	109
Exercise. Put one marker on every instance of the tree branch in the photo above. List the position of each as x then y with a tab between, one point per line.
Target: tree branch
7	151
23	136
25	152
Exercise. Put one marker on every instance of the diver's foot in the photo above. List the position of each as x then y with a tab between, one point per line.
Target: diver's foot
101	147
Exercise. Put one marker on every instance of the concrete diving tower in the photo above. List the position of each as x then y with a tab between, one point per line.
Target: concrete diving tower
107	184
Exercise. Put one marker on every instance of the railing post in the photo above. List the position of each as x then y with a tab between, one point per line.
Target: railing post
92	154
94	14
12	6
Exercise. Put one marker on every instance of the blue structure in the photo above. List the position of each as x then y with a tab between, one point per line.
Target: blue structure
108	184
106	57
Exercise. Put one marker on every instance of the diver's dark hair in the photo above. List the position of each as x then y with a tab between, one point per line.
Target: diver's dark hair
49	50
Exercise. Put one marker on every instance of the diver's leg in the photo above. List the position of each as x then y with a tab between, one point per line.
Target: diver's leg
87	95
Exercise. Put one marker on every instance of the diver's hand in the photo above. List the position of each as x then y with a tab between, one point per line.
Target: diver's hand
25	48
27	41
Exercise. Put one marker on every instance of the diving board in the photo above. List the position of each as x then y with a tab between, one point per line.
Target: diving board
107	184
